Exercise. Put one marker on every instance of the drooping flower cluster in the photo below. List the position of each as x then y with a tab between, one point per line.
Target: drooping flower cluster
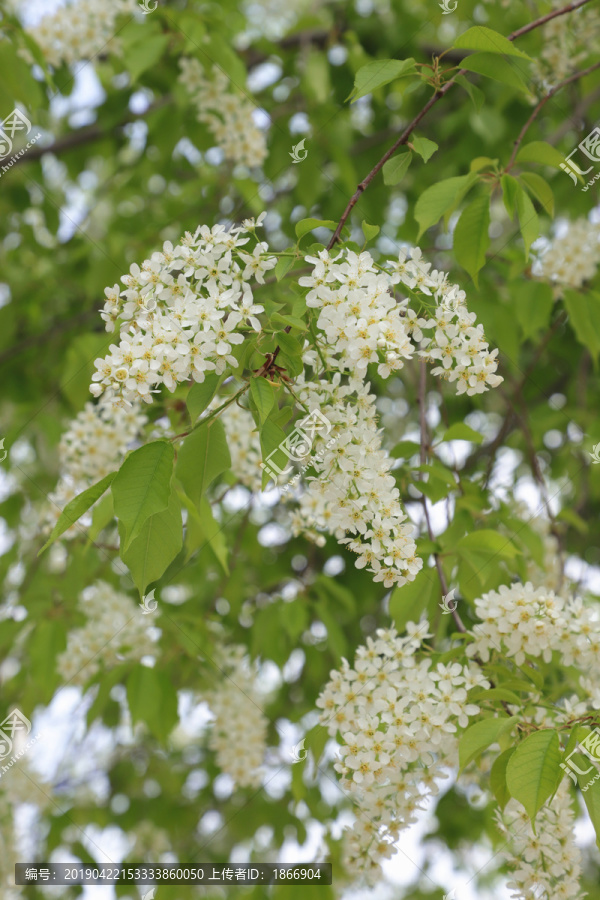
183	312
567	42
546	864
363	323
80	30
353	494
239	731
94	445
521	620
398	718
572	259
228	114
115	630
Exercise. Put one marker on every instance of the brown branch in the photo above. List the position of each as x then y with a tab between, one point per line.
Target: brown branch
541	105
430	103
424	445
87	135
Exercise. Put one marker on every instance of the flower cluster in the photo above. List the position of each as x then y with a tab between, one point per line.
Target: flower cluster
94	445
80	30
520	621
398	719
566	44
228	115
353	494
546	864
115	630
363	323
572	259
239	731
183	312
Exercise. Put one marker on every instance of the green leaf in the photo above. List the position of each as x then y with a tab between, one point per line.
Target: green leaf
79	367
477	96
144	54
584	318
498	68
471	235
424	147
370	231
203	530
481	735
152	699
201	393
533	770
306	225
17	82
540	152
528	220
441	197
294	321
510	187
395	168
377	73
533	304
142	486
461	432
263	394
202	457
276	461
77	507
48	639
481	38
498	777
415	599
405	450
104	513
156	546
283	267
487	542
540	189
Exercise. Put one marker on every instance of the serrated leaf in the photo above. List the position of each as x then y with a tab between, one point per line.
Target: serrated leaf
528	219
498	68
471	235
395	168
142	486
540	152
481	38
584	319
510	186
540	189
156	546
441	197
284	264
201	393
77	507
370	231
481	735
276	462
285	320
305	225
498	777
152	699
202	457
377	73
424	147
203	530
263	394
461	432
533	770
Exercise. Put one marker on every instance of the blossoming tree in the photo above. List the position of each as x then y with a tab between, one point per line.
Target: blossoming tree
299	347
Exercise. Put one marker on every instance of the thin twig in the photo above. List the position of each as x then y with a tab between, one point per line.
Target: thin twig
420	115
